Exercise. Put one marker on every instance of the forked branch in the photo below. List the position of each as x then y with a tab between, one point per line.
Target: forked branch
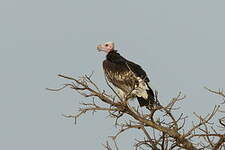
161	130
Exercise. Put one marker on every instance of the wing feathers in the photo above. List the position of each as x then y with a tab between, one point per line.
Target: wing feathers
128	77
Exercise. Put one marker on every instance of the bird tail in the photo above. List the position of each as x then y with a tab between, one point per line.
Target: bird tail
150	101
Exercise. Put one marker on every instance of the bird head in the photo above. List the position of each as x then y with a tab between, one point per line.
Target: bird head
106	47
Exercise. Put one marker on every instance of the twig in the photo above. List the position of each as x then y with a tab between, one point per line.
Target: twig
165	128
219	92
202	120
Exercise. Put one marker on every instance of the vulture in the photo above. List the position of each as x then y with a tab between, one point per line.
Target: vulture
128	77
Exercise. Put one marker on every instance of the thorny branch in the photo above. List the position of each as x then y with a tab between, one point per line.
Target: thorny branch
161	130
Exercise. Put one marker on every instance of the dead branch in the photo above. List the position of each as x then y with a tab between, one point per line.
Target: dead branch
202	121
219	143
165	127
219	92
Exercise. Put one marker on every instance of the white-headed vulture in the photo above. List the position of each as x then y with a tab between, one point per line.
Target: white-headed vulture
128	77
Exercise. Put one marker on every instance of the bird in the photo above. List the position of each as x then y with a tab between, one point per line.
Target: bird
130	80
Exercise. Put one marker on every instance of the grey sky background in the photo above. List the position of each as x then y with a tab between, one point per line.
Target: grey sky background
180	44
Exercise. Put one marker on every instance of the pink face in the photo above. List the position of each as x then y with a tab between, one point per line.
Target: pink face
106	47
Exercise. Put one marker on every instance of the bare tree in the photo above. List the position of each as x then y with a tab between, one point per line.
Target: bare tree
161	129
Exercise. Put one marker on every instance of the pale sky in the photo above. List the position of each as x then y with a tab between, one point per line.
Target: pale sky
180	44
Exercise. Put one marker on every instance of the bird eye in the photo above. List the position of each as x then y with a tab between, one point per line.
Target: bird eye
106	45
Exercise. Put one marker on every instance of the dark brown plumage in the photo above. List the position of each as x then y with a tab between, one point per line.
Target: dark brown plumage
128	77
